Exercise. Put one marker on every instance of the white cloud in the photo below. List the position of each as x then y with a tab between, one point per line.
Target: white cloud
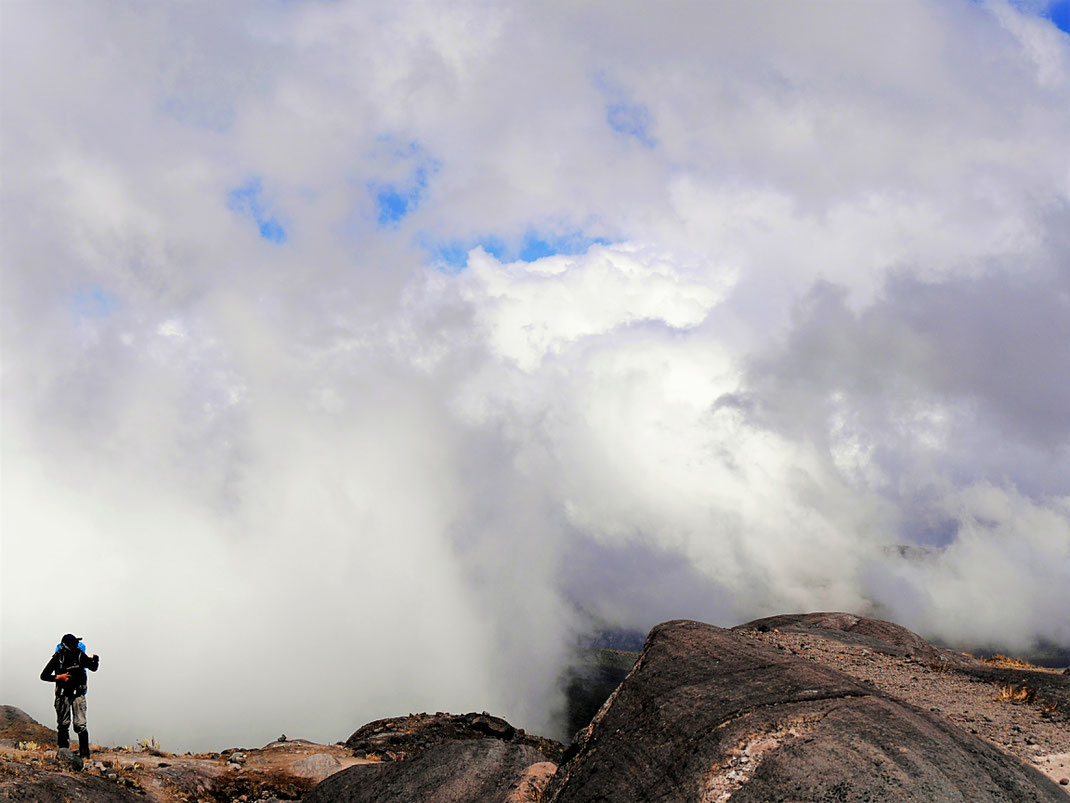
832	318
532	309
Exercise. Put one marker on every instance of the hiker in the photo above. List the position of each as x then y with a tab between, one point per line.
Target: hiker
67	670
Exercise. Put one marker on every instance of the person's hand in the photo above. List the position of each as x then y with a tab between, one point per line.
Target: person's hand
96	657
64	676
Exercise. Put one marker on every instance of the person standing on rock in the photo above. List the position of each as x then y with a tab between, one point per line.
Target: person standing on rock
67	670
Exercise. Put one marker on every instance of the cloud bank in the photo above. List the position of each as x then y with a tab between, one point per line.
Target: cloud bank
358	360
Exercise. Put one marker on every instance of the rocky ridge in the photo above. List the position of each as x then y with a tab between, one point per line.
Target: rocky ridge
1024	711
803	707
710	715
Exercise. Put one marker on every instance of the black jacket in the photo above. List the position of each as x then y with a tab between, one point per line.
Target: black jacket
73	662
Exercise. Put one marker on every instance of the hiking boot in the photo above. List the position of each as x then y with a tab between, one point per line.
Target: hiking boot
83	744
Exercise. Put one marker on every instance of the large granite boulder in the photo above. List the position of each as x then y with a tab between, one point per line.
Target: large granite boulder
710	714
465	771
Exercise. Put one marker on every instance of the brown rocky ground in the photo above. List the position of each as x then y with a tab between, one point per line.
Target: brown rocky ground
713	715
17	726
1025	712
790	707
282	770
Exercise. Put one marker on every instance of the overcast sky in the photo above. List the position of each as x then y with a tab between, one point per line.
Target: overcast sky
359	357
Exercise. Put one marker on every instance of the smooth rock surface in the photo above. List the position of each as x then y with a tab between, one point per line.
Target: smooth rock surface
710	715
468	771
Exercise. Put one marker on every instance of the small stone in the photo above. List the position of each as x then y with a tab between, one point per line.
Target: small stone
1064	781
71	758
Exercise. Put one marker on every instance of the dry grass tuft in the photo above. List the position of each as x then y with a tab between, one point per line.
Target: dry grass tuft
1049	710
1016	694
1007	662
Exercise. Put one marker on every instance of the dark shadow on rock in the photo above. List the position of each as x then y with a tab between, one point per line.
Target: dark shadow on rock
590	680
467	771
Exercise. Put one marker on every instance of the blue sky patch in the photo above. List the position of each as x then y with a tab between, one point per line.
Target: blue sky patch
454	253
631	119
394	200
248	200
93	301
531	247
393	206
624	115
1059	13
536	246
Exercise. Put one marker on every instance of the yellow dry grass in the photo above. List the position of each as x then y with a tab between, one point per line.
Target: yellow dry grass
1007	662
1016	694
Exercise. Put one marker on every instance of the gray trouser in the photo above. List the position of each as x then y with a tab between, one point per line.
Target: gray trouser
65	707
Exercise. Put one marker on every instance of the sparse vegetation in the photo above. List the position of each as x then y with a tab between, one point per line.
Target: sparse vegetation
941	666
1007	662
1049	710
1016	694
150	746
29	745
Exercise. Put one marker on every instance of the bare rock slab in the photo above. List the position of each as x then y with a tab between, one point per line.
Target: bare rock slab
711	715
468	771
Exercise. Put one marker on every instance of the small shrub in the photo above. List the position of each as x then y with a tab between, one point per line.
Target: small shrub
1007	662
150	746
1016	694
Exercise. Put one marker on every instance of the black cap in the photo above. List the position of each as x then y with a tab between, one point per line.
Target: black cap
70	640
